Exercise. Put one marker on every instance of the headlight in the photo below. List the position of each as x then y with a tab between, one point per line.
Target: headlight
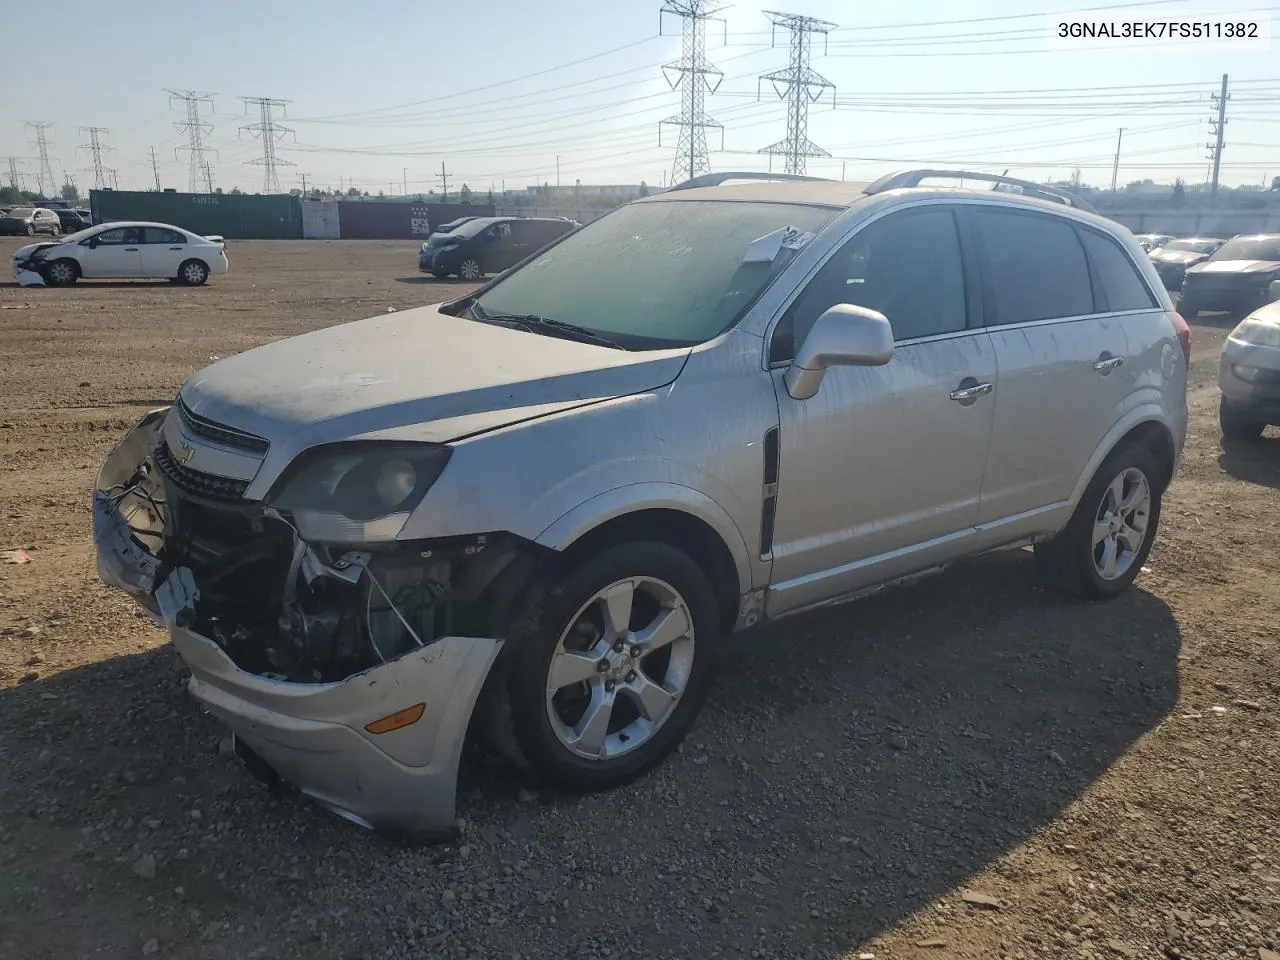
1262	333
358	492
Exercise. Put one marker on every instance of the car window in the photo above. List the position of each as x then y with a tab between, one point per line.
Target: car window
161	235
1116	276
1037	267
657	274
120	235
906	265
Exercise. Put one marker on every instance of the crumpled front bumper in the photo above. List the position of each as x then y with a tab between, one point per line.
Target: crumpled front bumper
311	735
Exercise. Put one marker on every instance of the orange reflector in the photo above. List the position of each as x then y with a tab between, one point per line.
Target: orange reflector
401	718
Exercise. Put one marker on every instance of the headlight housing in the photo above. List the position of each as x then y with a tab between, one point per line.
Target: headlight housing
358	492
1258	332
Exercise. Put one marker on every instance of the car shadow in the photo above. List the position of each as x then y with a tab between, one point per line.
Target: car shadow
852	766
123	283
1253	461
447	281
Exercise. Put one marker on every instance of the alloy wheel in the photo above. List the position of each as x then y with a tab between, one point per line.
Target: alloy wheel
1120	525
470	270
620	668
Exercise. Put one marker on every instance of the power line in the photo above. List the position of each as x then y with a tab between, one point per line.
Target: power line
95	146
198	175
799	84
692	74
270	131
41	143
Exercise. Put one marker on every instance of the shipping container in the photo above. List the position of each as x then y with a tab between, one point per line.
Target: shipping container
396	220
235	216
320	220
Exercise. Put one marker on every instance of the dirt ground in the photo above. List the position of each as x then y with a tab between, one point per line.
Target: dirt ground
1099	780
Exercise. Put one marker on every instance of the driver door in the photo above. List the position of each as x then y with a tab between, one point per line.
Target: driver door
116	252
880	471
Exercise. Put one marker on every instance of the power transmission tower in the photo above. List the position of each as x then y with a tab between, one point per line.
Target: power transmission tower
41	143
269	130
195	129
800	85
1218	127
95	146
208	177
15	178
443	177
155	169
695	77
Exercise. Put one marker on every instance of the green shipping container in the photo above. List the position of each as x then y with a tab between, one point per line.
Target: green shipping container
235	216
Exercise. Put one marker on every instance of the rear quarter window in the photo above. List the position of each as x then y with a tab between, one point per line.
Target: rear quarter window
1118	285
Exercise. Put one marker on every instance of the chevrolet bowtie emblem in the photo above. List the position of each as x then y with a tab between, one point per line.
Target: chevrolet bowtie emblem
187	452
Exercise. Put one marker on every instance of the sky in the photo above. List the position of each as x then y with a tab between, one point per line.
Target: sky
499	92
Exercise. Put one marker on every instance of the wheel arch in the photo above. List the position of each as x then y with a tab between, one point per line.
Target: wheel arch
680	517
1146	427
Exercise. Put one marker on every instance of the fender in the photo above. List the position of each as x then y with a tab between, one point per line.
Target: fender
632	497
1147	412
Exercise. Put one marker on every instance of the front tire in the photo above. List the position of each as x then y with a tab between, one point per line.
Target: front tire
193	273
1103	547
1237	426
31	230
610	665
470	270
61	273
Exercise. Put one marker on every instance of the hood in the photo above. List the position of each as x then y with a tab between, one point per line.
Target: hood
423	374
1165	255
1236	266
25	251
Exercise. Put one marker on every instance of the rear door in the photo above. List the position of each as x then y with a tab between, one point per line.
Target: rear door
1057	298
521	240
163	250
115	252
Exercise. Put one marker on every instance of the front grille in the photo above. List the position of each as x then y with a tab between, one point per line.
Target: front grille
217	433
198	484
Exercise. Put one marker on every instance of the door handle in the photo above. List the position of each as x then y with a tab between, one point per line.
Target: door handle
970	390
1105	364
130	249
175	248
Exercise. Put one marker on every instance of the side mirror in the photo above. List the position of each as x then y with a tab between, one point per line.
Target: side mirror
846	336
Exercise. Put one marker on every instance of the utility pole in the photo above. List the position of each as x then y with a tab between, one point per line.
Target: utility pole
198	175
694	76
557	173
443	177
95	147
41	143
270	131
1218	126
155	169
1115	167
404	181
304	183
800	85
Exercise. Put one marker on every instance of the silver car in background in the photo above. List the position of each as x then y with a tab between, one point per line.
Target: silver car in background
1249	374
533	512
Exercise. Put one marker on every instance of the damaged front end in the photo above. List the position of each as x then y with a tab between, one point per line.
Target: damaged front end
29	265
348	671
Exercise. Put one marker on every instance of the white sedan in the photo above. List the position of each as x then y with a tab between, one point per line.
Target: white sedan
122	249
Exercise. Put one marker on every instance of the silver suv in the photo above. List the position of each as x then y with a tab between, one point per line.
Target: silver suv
532	513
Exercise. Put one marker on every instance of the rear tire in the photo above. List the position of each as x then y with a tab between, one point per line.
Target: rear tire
61	273
193	273
650	586
1096	556
1237	426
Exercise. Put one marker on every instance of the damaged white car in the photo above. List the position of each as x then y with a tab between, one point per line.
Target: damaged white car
122	250
532	513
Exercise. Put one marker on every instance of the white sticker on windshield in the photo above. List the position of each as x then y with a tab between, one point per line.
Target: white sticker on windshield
766	249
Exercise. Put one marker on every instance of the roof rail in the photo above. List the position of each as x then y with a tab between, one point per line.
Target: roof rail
715	179
912	178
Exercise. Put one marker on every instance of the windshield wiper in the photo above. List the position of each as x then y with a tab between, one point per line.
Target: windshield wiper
536	324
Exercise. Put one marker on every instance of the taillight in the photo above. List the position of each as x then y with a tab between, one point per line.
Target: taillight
1184	334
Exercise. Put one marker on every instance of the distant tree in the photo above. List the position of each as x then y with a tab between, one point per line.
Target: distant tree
70	192
644	189
1075	177
465	194
14	195
235	191
353	191
1275	183
380	193
1179	198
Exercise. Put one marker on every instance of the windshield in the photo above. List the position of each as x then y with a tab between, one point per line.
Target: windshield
21	212
78	235
1249	248
1195	246
471	228
657	274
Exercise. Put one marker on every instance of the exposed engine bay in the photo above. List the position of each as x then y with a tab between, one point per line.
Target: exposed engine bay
286	609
